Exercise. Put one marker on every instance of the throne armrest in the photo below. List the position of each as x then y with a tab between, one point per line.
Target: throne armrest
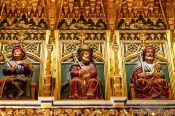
33	89
132	91
169	86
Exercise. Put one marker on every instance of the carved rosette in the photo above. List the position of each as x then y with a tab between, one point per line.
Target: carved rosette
87	112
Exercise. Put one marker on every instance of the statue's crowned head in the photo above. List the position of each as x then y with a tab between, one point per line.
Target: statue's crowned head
85	53
84	48
18	51
149	52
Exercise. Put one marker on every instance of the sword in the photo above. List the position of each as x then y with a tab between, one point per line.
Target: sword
77	61
141	60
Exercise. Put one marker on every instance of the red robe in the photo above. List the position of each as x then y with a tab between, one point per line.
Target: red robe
83	85
149	86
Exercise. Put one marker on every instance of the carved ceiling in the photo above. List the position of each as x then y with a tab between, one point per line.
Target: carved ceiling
52	11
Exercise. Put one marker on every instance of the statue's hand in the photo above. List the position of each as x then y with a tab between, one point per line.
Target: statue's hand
13	68
156	68
82	72
25	63
145	75
149	75
86	76
142	75
19	62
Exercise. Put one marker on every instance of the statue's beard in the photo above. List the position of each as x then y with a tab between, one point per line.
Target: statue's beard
149	59
17	57
85	60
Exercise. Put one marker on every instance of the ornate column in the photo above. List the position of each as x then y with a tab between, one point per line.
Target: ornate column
117	78
47	84
172	53
109	77
112	64
170	58
113	76
168	9
56	75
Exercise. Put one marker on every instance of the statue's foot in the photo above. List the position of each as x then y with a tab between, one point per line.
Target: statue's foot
20	94
10	96
90	96
154	95
75	96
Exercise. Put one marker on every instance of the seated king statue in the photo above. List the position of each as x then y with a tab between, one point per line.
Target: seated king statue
16	79
84	82
148	77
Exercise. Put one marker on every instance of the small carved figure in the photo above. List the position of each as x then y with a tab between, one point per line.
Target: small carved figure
148	77
84	82
16	75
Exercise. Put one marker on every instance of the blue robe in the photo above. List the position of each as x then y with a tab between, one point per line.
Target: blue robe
16	81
